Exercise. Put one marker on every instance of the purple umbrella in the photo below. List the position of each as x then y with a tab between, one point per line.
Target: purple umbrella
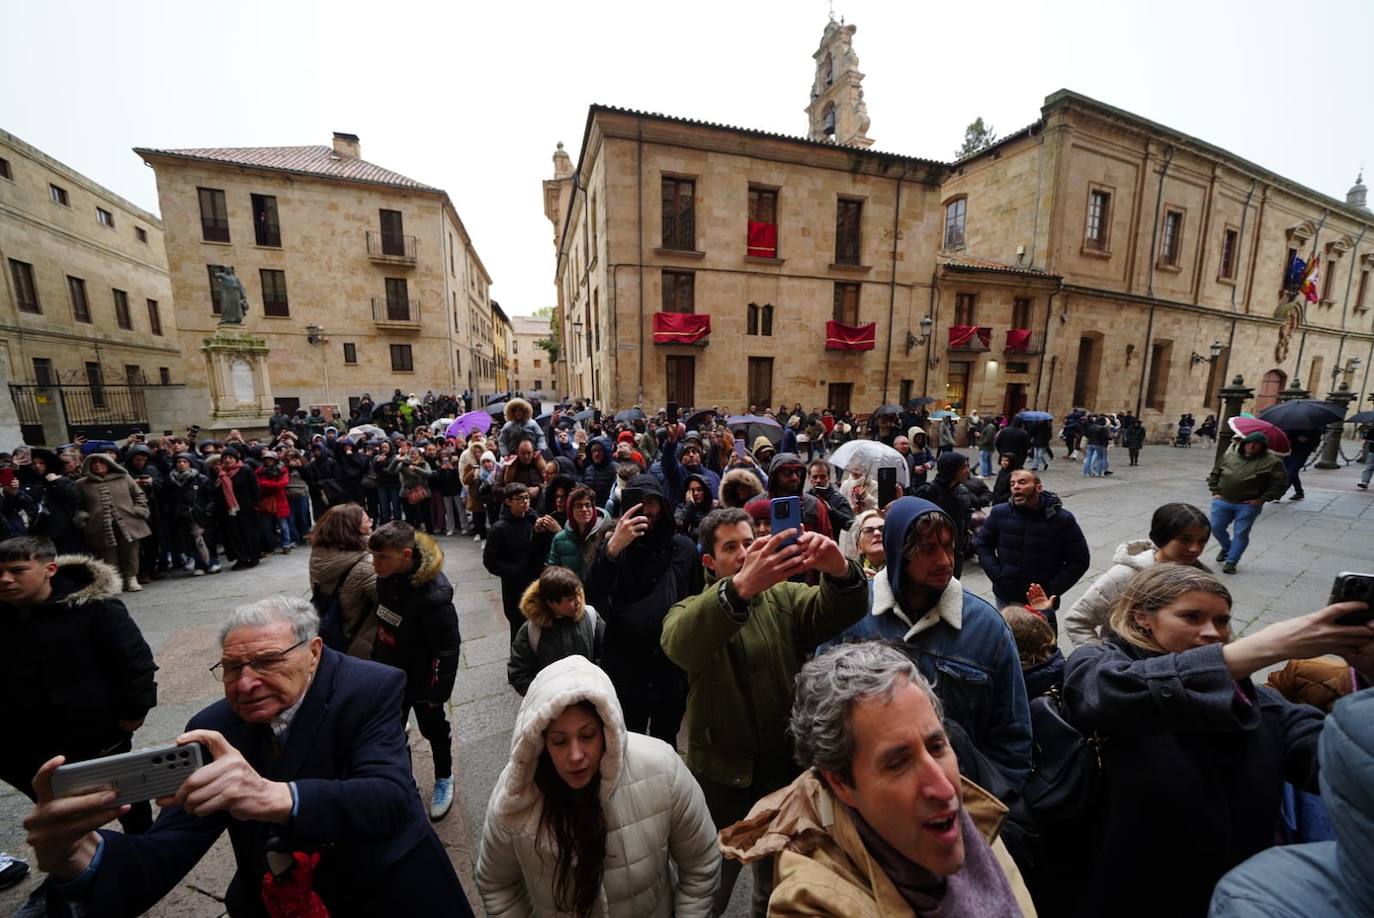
472	422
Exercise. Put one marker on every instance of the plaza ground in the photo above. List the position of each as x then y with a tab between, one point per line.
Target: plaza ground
1295	551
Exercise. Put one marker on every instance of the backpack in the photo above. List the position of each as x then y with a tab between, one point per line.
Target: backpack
331	613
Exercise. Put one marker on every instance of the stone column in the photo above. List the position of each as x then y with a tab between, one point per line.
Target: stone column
1293	392
1331	443
1232	398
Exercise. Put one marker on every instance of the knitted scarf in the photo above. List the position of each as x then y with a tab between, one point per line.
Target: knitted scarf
226	487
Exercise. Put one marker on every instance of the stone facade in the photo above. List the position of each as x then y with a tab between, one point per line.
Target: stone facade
501	343
358	279
61	234
837	112
530	367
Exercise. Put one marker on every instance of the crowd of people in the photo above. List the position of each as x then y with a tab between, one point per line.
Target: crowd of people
826	704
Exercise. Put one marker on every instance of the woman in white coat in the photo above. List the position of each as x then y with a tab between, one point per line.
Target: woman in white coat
590	819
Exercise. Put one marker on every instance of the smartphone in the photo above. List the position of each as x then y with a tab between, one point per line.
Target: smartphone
629	497
740	449
887	486
144	774
785	513
1352	587
672	412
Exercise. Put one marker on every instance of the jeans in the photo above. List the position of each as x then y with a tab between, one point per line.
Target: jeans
1224	512
1368	466
1292	464
1095	463
300	518
985	463
284	527
1040	458
389	496
455	512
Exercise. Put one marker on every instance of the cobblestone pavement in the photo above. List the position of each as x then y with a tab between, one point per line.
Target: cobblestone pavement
1296	549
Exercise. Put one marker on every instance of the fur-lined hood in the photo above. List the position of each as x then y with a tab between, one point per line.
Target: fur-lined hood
536	611
743	478
81	579
558	686
431	559
519	404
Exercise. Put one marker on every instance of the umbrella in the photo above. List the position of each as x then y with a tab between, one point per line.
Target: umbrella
1364	417
1035	416
1278	440
870	455
1303	414
753	426
888	409
496	409
746	419
941	415
630	414
694	419
586	415
366	430
919	402
439	425
472	422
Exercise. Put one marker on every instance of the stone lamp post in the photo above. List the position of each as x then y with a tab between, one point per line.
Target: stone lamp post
1232	398
1331	445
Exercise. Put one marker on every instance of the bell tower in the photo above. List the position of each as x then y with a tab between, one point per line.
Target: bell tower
837	112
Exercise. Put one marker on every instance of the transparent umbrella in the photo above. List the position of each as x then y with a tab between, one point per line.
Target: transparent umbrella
870	455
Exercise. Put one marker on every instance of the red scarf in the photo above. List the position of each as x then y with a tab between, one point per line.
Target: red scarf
226	486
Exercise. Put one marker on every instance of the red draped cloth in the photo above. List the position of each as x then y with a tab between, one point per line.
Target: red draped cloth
680	327
763	240
1018	340
840	337
963	335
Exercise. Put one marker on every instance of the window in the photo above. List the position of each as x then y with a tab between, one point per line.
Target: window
1328	279
401	360
1017	366
538	385
1157	388
141	234
43	373
81	307
1172	238
760	380
846	304
216	306
591	224
121	304
767	319
965	308
25	293
681	379
904	393
760	319
214	215
350	352
164	376
393	232
5	169
397	299
95	378
266	228
58	195
848	221
837	396
679	294
133	374
1229	238
274	293
1099	220
828	119
536	363
956	383
954	223
762	240
458	360
679	215
104	217
751	325
154	318
1021	312
1362	290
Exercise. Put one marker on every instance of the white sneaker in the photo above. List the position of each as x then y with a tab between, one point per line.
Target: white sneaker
442	799
132	585
214	568
477	538
197	573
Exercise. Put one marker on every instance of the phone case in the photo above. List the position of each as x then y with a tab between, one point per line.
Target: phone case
785	513
144	774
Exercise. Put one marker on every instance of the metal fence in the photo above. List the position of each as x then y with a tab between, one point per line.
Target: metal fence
97	411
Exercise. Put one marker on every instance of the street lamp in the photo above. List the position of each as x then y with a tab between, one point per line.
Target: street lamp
1215	350
1349	369
912	341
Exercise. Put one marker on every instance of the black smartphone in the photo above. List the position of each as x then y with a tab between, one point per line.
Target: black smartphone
672	412
629	497
887	486
1352	587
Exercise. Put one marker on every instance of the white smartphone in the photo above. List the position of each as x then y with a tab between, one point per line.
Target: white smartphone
144	774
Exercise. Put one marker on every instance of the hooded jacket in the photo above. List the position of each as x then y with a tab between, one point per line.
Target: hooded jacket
1018	546
272	486
357	593
577	554
513	431
739	483
71	668
689	514
1086	619
545	639
1326	878
823	867
815	514
515	553
962	646
1237	477
126	510
661	855
952	498
675	474
599	475
417	626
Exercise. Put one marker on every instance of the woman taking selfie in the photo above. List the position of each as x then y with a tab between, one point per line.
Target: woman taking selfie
1194	755
589	819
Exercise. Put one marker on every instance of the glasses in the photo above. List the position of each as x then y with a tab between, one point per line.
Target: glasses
522	499
265	664
869	530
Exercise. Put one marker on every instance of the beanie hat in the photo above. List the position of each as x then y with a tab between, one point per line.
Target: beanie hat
760	508
488	454
625	436
1255	436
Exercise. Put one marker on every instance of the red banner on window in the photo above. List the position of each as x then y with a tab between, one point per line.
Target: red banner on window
763	240
840	337
964	335
680	327
1018	340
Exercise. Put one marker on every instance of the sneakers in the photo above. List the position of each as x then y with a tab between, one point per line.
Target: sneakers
190	564
448	532
12	870
215	568
1229	567
476	537
1221	555
442	799
1362	485
132	585
197	573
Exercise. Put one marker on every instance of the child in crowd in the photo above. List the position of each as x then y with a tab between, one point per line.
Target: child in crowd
1042	665
558	623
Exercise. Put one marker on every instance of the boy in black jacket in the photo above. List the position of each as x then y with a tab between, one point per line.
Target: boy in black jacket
417	632
516	548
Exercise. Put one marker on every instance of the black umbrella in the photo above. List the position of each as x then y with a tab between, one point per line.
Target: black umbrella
586	415
1302	414
1364	417
916	404
695	419
630	414
888	409
497	409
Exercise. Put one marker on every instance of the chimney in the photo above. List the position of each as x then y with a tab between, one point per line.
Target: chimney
347	145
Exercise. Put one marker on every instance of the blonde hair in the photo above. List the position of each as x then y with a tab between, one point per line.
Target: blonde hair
1035	640
1151	590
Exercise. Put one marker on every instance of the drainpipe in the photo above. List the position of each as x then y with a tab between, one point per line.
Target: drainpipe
639	225
1350	278
892	284
1045	345
1150	283
933	312
1240	241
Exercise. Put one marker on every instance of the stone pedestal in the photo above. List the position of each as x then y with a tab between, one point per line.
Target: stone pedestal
240	385
1233	397
1331	444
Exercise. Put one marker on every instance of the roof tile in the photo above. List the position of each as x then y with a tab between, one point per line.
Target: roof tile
312	160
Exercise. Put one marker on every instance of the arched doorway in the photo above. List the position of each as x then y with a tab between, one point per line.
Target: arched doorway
1270	387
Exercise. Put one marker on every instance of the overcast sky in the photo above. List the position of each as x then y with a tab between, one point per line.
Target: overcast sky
472	97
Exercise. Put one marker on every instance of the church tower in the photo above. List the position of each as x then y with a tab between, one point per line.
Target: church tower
837	112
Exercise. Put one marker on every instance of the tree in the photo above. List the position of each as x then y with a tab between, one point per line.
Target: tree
977	136
552	343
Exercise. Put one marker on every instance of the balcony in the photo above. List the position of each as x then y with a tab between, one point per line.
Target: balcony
214	229
682	328
391	248
1023	341
970	338
395	313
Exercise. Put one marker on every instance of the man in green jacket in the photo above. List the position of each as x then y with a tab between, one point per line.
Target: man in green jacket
741	642
1246	476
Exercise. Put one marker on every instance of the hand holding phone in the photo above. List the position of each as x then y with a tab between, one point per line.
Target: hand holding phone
784	514
887	486
1352	587
143	774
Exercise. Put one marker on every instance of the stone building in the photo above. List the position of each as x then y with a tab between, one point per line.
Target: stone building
86	298
1094	258
359	279
531	370
501	344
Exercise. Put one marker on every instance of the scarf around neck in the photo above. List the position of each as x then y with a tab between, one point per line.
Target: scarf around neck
226	487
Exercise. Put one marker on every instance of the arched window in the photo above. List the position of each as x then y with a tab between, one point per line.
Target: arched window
1270	387
954	223
828	69
752	322
828	119
768	319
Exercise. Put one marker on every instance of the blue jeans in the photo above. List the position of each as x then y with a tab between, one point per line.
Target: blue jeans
1224	512
1040	458
985	463
1095	462
389	496
1368	465
300	518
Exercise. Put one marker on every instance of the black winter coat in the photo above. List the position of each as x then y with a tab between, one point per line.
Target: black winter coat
515	554
1013	441
71	668
246	492
1194	764
417	626
600	478
1018	546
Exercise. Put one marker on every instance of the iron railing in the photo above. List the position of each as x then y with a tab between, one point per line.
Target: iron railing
214	229
99	411
389	310
980	341
391	247
268	236
1034	344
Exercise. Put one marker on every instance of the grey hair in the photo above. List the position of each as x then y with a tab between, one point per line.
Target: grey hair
829	687
299	613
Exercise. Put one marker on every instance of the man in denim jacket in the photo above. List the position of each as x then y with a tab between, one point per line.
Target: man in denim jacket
959	641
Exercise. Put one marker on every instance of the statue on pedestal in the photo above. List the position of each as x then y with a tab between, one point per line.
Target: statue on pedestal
233	299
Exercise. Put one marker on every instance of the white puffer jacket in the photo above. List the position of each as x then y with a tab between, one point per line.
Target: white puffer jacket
1087	618
661	852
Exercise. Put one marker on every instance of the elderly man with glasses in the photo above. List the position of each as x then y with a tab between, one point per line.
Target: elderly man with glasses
310	777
